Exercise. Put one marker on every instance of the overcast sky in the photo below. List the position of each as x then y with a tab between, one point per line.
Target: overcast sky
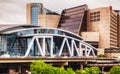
14	11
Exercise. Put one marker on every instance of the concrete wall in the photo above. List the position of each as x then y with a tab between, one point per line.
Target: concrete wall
48	20
100	51
90	36
113	30
99	20
28	13
113	55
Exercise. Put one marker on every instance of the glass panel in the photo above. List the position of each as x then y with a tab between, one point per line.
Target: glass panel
35	12
11	45
47	11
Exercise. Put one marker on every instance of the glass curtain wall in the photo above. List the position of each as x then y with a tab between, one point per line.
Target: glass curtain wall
35	10
16	44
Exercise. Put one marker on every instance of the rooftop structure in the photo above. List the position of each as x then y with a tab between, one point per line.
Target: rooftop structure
38	15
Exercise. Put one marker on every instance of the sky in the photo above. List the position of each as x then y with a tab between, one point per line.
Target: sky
14	11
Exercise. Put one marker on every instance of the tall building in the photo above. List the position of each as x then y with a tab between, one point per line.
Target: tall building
38	15
74	19
118	12
33	9
102	28
104	21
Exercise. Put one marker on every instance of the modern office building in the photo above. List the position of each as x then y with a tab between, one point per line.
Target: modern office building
104	21
103	29
33	9
38	15
99	27
74	19
118	12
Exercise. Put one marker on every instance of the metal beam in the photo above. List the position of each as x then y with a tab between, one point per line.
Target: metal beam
29	47
80	49
51	49
78	53
39	47
71	49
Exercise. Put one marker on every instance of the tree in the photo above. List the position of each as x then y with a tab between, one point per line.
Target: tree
58	70
115	70
81	72
39	67
70	71
92	70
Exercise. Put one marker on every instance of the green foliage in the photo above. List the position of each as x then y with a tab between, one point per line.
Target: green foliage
108	73
87	70
115	70
39	67
95	70
101	55
81	72
78	71
70	71
59	70
92	70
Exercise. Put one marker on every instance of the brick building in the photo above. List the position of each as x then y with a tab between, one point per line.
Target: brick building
103	30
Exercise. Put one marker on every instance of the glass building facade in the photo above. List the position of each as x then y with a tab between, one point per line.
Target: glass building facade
36	9
15	43
34	14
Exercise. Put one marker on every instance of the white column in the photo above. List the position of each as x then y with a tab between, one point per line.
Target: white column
74	45
61	48
43	46
39	47
68	45
86	51
29	47
93	52
77	50
88	54
80	49
72	48
51	49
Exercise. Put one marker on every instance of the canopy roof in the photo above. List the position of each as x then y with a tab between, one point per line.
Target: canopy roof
8	29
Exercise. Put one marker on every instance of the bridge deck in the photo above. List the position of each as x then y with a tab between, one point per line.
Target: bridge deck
97	61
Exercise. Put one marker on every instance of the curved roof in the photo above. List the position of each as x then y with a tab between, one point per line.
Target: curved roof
4	28
17	28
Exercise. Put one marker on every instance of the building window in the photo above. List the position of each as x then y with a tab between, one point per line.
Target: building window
35	14
95	16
